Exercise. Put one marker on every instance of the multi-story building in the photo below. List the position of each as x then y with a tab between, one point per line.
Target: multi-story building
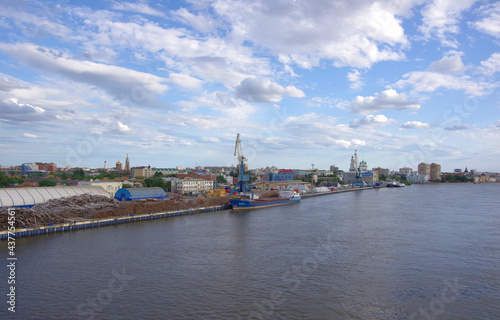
381	171
52	167
141	172
406	170
189	185
435	171
415	177
424	168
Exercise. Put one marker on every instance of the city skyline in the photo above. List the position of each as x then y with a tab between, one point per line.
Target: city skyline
172	83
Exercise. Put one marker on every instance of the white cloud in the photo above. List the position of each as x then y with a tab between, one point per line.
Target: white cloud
30	135
372	120
125	84
425	81
11	109
348	35
25	21
448	64
200	22
442	17
491	65
386	100
354	78
264	90
137	7
185	81
457	127
210	139
490	24
414	125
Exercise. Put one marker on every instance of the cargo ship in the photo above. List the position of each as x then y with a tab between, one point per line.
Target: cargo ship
285	197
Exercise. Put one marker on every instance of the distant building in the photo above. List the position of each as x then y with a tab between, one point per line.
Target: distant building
283	175
381	171
363	167
189	185
52	167
110	186
424	168
435	171
334	168
406	170
457	171
415	177
118	165
127	164
141	172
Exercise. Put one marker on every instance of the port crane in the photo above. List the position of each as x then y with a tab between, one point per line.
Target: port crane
241	186
357	169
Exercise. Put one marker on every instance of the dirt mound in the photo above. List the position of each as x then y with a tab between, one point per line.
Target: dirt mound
271	194
87	206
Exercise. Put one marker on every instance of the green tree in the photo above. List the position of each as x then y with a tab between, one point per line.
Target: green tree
48	183
158	174
64	176
78	174
6	180
155	182
221	179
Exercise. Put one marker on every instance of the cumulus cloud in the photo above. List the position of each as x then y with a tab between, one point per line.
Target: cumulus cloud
185	81
348	35
448	64
490	23
264	90
425	81
414	125
125	84
354	78
12	109
441	19
137	7
386	100
372	120
200	22
8	83
458	127
491	65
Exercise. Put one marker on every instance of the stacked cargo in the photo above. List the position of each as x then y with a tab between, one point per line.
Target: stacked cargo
221	192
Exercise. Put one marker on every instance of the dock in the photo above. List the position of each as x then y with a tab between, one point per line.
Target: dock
63	227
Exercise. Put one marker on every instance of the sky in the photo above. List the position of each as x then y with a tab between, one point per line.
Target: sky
304	82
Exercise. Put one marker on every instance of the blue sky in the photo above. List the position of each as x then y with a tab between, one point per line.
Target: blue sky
171	83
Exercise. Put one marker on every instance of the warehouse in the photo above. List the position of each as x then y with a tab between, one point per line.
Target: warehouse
131	194
28	197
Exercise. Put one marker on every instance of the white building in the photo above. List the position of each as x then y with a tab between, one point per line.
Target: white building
110	186
415	177
189	185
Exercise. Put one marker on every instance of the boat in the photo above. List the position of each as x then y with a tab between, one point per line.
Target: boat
285	197
395	184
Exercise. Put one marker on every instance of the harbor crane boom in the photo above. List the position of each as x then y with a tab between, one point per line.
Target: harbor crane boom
241	186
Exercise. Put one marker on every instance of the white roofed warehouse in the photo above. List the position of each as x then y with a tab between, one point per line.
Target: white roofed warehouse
28	197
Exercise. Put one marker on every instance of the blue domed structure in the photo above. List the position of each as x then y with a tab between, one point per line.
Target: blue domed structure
131	194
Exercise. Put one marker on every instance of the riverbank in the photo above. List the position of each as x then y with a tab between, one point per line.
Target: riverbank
133	212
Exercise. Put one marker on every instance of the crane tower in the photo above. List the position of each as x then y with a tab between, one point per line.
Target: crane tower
242	185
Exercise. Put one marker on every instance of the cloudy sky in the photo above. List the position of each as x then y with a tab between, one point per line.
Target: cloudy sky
304	82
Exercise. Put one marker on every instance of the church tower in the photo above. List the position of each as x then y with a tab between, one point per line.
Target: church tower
127	164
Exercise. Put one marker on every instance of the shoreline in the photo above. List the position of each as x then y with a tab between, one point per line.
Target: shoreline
94	223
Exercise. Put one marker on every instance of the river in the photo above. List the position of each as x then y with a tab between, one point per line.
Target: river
420	252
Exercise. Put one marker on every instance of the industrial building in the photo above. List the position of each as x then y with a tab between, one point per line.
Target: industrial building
189	185
28	197
141	172
110	186
132	194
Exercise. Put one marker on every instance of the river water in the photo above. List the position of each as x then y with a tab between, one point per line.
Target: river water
420	252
